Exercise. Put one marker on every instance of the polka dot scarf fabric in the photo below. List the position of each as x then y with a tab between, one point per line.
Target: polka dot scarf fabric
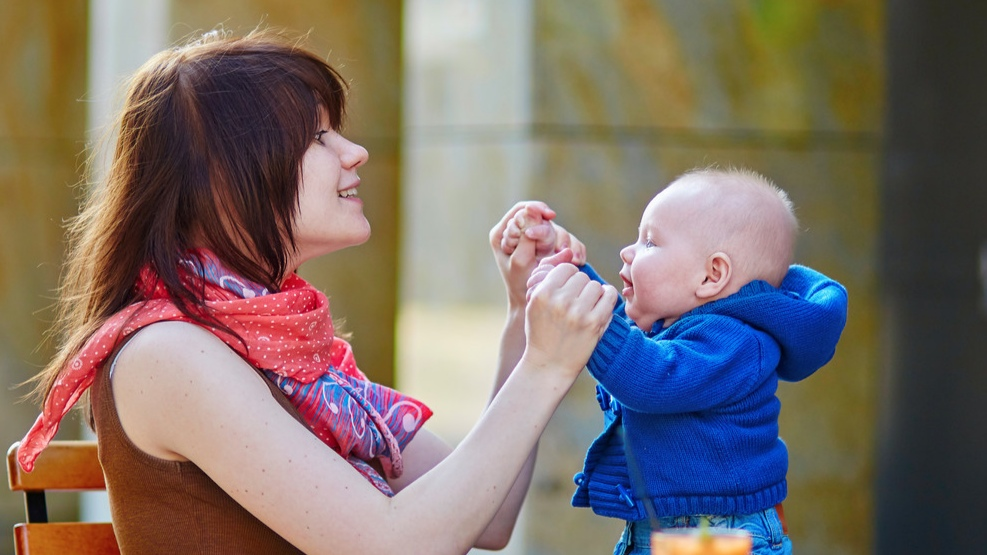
289	335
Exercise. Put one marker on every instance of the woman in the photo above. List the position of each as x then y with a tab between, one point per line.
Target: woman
182	308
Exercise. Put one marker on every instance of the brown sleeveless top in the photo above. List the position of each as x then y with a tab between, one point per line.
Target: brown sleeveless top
168	507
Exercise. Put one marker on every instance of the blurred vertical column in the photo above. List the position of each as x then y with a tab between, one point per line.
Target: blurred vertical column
931	484
469	152
468	141
123	34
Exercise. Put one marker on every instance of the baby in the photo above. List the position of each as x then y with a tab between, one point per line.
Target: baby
712	315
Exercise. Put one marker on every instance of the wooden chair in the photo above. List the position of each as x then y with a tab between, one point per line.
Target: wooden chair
62	466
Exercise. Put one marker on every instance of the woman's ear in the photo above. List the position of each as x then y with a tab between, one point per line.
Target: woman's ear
719	270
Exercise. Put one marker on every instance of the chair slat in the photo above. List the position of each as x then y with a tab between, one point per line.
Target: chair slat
62	466
60	538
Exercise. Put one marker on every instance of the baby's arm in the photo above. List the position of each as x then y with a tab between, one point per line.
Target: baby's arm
693	370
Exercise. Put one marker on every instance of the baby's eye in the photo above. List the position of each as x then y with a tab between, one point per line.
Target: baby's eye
319	134
648	244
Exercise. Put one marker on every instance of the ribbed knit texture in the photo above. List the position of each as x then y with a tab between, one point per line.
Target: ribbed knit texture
697	400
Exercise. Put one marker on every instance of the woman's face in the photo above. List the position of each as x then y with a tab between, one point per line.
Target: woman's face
330	214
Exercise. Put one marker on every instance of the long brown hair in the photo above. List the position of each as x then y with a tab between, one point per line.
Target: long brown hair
208	154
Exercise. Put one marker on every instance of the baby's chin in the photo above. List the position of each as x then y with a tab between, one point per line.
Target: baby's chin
646	324
641	322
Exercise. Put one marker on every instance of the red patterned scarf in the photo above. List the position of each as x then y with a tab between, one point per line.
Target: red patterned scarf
359	419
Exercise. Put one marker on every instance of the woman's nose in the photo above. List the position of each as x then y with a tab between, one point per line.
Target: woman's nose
354	155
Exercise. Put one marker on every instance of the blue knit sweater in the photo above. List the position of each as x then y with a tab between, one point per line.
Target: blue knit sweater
697	400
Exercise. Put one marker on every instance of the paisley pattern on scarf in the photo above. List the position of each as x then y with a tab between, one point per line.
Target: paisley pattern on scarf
290	336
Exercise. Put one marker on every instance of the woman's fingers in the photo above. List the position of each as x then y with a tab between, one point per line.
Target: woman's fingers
511	238
515	252
514	260
563	256
597	300
544	267
497	231
537	276
566	315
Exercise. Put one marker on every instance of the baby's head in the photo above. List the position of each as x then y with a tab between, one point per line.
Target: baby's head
744	215
702	238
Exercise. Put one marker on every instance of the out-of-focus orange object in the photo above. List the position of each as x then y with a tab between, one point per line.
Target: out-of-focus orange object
695	541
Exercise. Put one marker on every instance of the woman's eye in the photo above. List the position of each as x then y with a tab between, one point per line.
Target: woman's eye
319	134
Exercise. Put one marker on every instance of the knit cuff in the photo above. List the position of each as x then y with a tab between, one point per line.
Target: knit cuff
609	347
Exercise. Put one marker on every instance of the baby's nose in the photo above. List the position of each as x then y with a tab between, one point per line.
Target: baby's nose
627	254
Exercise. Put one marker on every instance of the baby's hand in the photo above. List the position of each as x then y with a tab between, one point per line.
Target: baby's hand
565	240
533	222
546	266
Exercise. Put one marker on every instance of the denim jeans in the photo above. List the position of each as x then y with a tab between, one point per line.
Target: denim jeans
765	528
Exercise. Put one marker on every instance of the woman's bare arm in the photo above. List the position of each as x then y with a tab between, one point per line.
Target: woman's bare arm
182	394
426	450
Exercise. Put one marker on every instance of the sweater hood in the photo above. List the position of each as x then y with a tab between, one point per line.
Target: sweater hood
806	318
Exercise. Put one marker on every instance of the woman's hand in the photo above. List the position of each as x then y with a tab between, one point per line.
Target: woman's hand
525	235
566	314
515	264
532	222
546	265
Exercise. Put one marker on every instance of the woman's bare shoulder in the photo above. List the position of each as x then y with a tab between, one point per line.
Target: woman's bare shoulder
182	350
167	337
174	371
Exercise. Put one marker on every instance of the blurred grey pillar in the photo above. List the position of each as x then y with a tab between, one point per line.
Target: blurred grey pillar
932	459
122	35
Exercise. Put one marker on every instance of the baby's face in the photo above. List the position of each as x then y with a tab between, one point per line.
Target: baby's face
664	268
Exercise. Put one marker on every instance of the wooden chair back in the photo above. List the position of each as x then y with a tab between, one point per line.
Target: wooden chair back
62	466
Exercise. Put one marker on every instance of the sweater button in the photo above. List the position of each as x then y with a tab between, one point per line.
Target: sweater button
579	478
625	495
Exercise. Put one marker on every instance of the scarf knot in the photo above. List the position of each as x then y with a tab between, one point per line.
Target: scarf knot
289	335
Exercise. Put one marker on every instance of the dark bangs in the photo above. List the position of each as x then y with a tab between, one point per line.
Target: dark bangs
258	102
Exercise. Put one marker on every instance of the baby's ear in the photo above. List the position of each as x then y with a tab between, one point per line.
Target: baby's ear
719	270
